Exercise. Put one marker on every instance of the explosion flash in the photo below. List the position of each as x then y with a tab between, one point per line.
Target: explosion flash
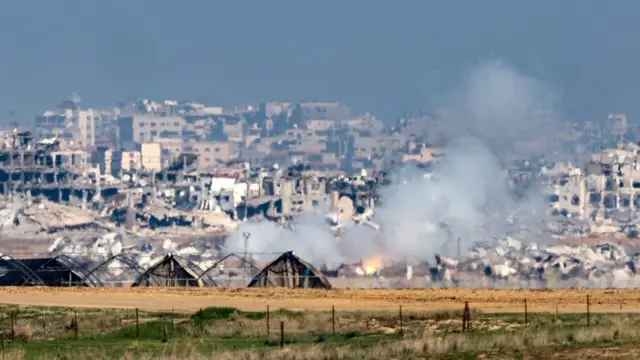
372	265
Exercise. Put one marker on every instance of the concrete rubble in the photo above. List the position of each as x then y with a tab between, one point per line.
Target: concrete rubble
510	263
28	219
139	216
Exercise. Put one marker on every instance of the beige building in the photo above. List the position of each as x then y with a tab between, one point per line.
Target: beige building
212	153
151	156
234	131
115	161
149	128
171	146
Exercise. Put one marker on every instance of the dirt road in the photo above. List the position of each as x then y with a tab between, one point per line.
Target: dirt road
499	300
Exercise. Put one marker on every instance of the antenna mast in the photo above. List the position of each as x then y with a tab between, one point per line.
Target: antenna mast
246	254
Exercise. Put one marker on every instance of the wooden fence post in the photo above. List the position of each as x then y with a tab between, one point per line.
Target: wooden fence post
588	312
281	334
165	334
333	319
13	325
526	313
75	321
201	316
137	324
268	315
401	324
466	317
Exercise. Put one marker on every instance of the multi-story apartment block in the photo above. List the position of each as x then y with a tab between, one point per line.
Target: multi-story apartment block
149	128
211	154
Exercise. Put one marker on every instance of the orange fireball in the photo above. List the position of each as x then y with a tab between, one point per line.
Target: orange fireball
371	265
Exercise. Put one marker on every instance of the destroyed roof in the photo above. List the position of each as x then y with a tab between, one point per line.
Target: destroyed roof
57	271
230	270
290	271
173	270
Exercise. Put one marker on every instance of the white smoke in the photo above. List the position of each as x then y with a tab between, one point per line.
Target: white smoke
311	238
469	200
499	105
426	216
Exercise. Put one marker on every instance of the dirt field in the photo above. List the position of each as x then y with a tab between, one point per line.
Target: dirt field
567	300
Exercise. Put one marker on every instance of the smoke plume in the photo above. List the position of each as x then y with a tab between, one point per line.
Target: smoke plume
467	200
500	106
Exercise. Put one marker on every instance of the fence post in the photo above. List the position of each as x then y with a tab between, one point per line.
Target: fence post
75	321
13	325
526	313
268	327
281	334
333	318
466	317
137	324
172	316
588	312
165	333
201	316
401	324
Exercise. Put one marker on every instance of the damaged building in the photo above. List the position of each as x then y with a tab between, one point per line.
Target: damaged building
604	193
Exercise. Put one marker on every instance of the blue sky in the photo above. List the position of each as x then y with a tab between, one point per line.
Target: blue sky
383	56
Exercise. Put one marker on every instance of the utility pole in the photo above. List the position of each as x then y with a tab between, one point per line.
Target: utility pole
246	194
246	254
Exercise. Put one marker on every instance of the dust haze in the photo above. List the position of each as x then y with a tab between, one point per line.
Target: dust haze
467	197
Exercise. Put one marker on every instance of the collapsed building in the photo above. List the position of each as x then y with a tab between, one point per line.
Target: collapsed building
51	190
507	263
290	271
56	271
101	220
173	271
605	194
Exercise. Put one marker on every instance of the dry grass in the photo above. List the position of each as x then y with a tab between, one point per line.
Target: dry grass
438	345
488	300
34	323
426	334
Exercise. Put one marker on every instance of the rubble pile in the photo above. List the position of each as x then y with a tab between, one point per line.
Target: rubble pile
35	218
511	263
158	214
28	218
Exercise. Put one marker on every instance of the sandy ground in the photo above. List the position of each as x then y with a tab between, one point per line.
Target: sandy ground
180	299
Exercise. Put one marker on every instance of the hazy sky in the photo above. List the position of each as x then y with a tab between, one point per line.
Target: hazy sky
381	56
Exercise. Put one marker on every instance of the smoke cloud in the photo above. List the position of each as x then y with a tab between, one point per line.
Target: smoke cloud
499	105
467	200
